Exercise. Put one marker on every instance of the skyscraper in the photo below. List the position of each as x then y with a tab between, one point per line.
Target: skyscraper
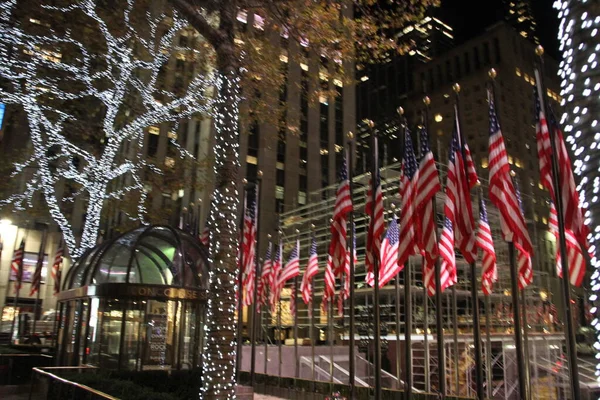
519	14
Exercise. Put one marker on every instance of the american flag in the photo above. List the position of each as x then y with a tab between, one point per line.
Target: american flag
36	279
56	272
312	269
457	206
277	264
524	256
17	265
389	267
575	256
345	292
502	191
292	267
544	148
249	248
205	236
486	244
265	277
408	192
343	206
376	226
448	263
329	289
576	231
427	187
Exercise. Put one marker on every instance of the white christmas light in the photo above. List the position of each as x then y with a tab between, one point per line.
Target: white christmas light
579	55
128	73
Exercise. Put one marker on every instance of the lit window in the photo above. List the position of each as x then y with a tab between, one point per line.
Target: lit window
536	218
301	197
544	220
283	58
323	99
540	186
510	160
279	192
154	130
484	162
172	135
304	67
259	22
280	165
169	162
337	83
518	71
251	160
438	118
364	78
324	152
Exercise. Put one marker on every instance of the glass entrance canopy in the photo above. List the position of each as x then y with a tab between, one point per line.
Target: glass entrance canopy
136	302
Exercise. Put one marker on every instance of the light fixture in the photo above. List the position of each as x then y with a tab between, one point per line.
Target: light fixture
438	118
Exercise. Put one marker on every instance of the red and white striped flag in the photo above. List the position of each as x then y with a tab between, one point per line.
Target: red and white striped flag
205	236
292	267
344	293
389	267
448	276
575	256
428	185
343	206
376	226
458	207
576	231
484	241
407	245
55	272
312	269
16	265
277	264
329	289
502	191
36	279
249	248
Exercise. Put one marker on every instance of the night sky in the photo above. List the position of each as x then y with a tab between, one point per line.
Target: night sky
470	17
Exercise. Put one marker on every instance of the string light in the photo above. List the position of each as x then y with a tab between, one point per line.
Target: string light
580	89
220	350
132	65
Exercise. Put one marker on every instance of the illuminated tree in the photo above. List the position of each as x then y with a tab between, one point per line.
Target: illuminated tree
90	82
580	89
345	33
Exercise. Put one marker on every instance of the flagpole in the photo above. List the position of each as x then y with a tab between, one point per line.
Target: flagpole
257	277
351	341
19	283
294	298
474	291
570	329
438	288
376	316
39	283
240	321
524	388
407	291
397	291
264	312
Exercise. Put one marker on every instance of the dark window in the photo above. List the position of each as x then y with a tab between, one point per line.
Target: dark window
303	183
251	172
448	71
476	58
467	63
280	177
486	54
183	41
339	118
457	72
440	75
431	86
497	50
152	144
281	147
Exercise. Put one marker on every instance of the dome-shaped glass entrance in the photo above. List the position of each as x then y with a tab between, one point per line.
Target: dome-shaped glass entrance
136	302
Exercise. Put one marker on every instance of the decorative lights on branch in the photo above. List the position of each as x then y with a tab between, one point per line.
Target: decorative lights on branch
39	81
580	91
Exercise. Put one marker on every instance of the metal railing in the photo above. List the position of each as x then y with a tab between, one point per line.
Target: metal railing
48	385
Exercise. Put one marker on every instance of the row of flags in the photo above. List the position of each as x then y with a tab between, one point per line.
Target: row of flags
415	232
17	267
